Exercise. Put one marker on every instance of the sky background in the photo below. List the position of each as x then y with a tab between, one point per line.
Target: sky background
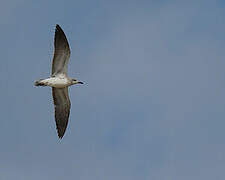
153	103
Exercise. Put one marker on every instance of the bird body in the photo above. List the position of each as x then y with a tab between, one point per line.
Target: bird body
59	81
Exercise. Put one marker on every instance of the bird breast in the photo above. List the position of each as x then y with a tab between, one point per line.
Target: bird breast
57	82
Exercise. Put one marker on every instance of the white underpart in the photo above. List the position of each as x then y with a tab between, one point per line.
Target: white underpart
57	82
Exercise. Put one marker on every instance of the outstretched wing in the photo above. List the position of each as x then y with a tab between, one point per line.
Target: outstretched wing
61	53
62	109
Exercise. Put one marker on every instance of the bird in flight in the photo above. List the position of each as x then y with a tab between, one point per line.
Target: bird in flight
59	81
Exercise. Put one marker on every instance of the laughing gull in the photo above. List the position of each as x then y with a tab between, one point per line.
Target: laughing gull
59	81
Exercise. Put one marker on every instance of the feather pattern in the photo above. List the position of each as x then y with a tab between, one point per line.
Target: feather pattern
61	53
62	109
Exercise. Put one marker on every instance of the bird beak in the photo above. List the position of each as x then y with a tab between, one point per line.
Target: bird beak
80	82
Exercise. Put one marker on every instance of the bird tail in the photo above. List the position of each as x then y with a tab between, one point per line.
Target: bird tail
39	83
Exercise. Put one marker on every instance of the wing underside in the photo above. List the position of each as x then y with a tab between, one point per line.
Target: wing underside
62	109
61	52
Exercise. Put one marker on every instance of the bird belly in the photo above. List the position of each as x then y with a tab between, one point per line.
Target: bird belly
56	82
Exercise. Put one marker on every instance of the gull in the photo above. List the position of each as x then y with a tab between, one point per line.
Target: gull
59	81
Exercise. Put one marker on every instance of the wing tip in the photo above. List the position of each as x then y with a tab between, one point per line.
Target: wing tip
58	28
60	135
61	132
60	38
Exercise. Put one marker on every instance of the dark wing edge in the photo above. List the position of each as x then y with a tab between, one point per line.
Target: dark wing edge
61	52
62	109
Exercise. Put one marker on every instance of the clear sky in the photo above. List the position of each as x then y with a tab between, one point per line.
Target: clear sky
153	103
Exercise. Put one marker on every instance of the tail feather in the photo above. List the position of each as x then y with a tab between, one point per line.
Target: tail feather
39	83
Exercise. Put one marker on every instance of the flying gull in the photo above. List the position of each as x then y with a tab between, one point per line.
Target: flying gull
59	81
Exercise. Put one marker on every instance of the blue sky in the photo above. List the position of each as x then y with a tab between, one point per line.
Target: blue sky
153	103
